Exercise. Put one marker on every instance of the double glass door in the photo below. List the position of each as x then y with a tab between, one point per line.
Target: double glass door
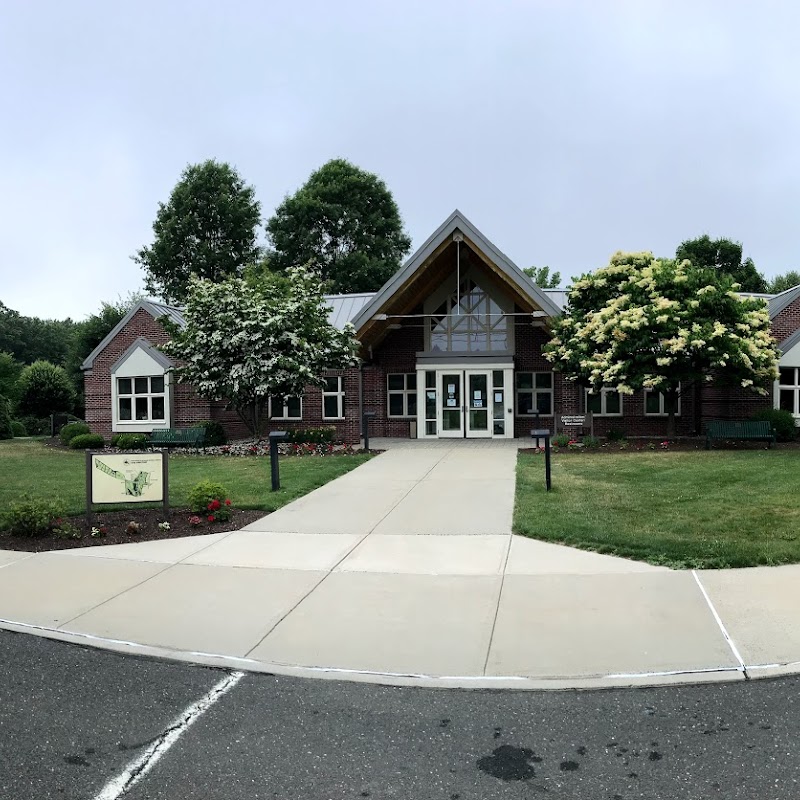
466	403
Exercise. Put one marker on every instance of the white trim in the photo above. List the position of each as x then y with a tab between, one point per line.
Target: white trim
338	394
661	403
603	393
283	417
534	391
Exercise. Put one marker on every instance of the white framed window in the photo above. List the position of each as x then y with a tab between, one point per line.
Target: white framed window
141	399
333	398
285	407
789	390
657	405
401	390
605	403
534	393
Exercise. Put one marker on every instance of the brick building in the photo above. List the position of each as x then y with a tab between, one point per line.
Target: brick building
451	346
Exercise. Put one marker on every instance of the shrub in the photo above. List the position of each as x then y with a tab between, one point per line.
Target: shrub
18	429
35	516
781	421
210	499
590	441
615	435
312	435
87	441
44	388
215	433
6	432
130	441
73	429
36	426
562	439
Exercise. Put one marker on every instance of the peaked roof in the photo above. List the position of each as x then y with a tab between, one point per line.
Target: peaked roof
143	344
156	311
779	301
456	221
789	342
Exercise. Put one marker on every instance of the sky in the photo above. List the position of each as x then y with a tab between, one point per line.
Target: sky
564	131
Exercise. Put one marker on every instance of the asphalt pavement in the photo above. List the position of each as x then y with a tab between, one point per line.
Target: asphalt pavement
73	720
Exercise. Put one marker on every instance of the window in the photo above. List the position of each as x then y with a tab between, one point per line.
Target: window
430	403
333	399
402	391
656	404
534	393
605	403
141	399
285	408
789	390
469	322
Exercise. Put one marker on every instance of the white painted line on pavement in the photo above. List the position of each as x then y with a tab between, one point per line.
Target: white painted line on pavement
721	624
139	767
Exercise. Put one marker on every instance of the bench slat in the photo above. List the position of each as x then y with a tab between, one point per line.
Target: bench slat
748	430
178	436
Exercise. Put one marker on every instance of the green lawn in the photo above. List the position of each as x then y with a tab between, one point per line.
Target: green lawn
704	509
28	467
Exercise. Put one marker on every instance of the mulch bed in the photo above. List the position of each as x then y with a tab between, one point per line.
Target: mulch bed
685	445
116	523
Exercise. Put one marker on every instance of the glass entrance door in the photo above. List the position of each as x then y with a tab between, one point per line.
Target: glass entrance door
478	408
451	404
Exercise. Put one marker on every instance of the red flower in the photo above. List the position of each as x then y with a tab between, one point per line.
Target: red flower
210	517
227	502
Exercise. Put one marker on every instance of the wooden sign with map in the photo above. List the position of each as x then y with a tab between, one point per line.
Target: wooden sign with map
120	478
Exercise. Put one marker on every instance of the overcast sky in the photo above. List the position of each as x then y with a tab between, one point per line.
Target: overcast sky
563	130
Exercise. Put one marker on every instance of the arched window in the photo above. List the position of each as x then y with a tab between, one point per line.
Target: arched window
469	322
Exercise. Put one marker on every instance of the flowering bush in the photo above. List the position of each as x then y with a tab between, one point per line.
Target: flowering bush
195	521
219	510
648	323
133	527
99	531
163	526
210	499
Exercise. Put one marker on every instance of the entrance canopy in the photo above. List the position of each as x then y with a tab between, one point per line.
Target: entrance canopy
455	245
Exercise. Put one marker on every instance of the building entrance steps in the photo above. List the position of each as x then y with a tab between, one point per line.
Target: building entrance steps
405	570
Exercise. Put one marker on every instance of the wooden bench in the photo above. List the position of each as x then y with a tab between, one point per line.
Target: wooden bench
178	437
751	430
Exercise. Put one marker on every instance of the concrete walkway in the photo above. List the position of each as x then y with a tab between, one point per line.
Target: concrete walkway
405	571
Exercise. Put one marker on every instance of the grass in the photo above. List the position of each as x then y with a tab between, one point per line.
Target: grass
28	467
684	510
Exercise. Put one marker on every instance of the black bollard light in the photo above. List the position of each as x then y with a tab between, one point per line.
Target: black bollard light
544	434
275	438
366	417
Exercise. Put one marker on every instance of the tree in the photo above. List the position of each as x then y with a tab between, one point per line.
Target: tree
6	431
10	370
343	222
44	389
647	323
207	228
542	278
245	343
724	256
780	283
29	339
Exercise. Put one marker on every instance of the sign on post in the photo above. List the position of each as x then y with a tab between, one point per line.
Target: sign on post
119	478
578	421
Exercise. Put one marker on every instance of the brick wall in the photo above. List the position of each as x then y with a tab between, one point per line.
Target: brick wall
787	322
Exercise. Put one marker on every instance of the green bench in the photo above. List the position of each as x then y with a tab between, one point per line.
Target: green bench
178	437
751	430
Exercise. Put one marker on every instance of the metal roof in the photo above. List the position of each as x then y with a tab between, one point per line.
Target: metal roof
779	301
789	342
344	307
157	310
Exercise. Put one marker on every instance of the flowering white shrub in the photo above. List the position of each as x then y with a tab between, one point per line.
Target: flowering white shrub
245	342
643	322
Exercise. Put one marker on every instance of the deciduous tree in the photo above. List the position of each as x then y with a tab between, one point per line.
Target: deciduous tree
244	342
345	224
44	389
542	278
207	228
780	283
725	257
647	323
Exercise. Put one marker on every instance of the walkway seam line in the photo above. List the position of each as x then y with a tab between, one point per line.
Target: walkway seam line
499	600
721	624
345	556
140	766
